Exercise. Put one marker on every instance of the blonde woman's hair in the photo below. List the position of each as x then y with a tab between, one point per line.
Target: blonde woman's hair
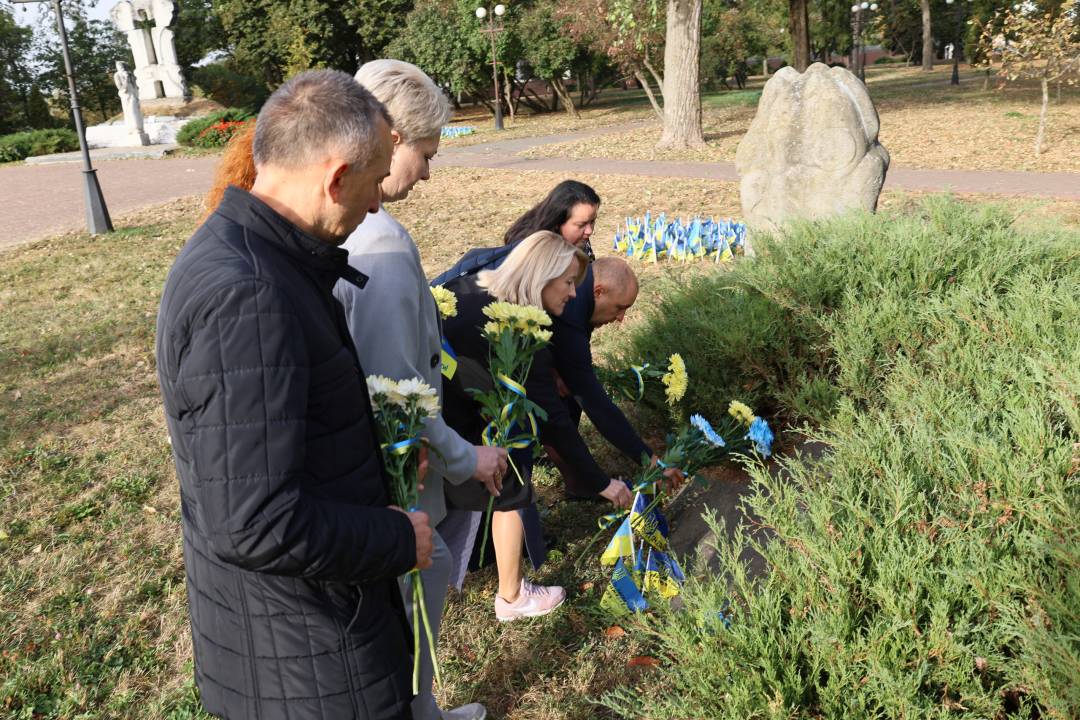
536	261
418	106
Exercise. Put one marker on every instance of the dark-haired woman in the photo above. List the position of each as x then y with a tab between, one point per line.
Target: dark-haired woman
568	210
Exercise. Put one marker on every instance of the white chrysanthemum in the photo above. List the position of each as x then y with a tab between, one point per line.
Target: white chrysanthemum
380	386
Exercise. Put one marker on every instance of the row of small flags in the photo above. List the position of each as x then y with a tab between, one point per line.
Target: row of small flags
641	561
454	132
648	239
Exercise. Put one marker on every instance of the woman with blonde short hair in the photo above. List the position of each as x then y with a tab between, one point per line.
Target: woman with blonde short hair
543	270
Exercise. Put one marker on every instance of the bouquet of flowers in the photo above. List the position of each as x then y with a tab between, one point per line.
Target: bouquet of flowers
638	552
648	239
514	334
401	409
631	383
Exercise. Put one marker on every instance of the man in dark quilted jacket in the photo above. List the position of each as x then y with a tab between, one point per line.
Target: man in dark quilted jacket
290	545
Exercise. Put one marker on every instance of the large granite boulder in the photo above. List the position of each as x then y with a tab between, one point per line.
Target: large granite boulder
812	150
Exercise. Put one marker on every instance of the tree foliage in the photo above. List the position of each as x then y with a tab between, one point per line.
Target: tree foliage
96	46
21	102
273	40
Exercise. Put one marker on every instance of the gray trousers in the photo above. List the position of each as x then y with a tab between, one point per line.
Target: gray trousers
436	579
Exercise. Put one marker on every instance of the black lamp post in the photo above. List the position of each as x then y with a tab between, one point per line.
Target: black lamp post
492	30
958	42
858	51
97	214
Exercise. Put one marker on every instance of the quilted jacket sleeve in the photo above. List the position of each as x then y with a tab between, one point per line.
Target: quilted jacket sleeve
244	379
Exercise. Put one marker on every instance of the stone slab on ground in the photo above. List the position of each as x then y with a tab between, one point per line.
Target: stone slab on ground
108	153
691	536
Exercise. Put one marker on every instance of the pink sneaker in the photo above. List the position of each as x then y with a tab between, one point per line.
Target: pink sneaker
532	601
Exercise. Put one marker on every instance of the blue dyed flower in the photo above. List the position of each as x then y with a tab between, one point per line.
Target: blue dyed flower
707	430
761	436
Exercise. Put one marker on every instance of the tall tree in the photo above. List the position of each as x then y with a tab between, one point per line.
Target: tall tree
799	26
17	109
630	33
198	32
548	49
273	39
927	37
682	90
1034	45
96	46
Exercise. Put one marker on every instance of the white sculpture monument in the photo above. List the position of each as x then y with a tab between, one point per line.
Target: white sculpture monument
129	100
812	150
146	24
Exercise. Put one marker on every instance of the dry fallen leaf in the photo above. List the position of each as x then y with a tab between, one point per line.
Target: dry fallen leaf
586	586
614	632
643	661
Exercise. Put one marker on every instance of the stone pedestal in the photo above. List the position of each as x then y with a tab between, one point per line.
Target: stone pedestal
812	150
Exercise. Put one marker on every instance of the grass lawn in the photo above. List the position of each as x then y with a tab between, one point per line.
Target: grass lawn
925	123
91	574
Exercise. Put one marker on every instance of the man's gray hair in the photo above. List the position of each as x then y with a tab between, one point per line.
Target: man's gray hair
314	114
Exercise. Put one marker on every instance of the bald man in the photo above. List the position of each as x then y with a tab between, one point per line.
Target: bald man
610	289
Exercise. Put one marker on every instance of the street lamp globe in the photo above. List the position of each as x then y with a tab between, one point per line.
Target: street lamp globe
854	8
481	12
864	5
500	9
873	6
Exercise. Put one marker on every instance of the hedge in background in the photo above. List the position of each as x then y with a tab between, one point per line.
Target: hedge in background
214	130
929	564
19	146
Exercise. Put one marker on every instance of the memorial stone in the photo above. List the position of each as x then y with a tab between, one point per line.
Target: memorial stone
812	150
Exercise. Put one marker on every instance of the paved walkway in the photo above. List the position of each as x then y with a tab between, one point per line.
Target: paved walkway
41	200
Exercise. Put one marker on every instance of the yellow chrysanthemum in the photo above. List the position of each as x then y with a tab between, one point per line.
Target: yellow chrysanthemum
741	412
501	312
542	335
532	316
446	301
675	380
492	328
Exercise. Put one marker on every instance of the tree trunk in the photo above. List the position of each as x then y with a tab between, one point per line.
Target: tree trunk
508	93
682	96
765	66
554	97
648	92
927	38
564	95
656	76
1042	117
799	26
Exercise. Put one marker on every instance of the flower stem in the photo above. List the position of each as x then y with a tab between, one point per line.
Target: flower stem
418	591
487	528
416	604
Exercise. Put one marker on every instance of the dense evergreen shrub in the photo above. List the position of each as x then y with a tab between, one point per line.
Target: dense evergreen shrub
929	564
213	130
21	145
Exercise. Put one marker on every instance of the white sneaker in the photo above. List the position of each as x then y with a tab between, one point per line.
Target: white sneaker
532	601
472	711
